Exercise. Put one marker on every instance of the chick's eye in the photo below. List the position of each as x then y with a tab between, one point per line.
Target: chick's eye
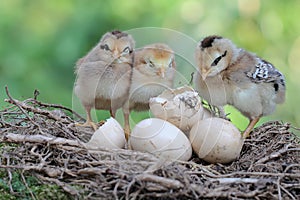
126	50
150	63
216	61
105	47
170	64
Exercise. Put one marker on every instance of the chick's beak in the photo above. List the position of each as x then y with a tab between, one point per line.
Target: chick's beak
161	71
204	73
117	56
116	53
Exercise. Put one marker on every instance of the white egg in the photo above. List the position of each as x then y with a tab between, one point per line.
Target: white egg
216	140
160	138
181	106
110	136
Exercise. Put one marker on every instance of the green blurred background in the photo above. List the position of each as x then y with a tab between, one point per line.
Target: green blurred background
40	41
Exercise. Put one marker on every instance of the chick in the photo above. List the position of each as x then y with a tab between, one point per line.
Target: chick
153	72
231	75
104	74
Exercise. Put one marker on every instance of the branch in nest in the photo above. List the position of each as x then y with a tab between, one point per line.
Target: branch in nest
65	186
166	182
241	180
16	102
17	138
47	105
21	105
277	154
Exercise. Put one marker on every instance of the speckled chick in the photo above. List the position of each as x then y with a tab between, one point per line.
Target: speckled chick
231	75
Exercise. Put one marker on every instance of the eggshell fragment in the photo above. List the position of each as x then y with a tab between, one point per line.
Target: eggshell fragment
110	135
160	138
181	107
216	140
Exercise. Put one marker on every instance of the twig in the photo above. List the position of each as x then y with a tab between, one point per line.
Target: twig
247	174
64	186
51	171
261	174
214	193
23	106
26	185
291	166
17	138
241	180
277	154
57	106
16	102
166	182
10	181
279	188
192	78
129	187
115	191
288	193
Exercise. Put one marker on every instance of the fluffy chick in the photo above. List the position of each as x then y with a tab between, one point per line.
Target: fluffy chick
153	72
231	75
104	74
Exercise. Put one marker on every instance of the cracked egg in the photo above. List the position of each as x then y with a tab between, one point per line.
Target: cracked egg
181	107
110	136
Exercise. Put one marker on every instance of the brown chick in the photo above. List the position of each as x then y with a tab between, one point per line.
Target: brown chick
153	72
234	76
104	74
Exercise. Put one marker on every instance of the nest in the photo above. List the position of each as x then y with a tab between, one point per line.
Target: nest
40	140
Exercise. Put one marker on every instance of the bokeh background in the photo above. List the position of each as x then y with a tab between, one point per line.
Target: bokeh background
40	41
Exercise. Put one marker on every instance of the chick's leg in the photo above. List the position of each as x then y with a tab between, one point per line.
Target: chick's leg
250	127
126	112
89	122
222	113
112	113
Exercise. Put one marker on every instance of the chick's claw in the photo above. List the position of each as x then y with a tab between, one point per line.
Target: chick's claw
88	123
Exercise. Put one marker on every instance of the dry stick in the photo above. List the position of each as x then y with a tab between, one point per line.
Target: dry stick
291	166
23	106
115	191
50	171
277	154
240	180
222	193
279	188
9	176
9	181
58	106
92	171
288	193
16	102
64	186
26	185
262	174
247	174
11	137
166	182
128	188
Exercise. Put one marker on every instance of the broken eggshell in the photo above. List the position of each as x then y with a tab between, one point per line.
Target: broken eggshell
161	138
110	136
216	140
181	107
